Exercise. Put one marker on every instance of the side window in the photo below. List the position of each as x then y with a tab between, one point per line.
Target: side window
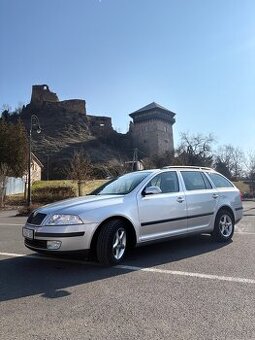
219	181
207	183
194	180
167	182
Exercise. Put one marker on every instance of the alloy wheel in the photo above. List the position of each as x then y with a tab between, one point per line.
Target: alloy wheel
119	243
226	225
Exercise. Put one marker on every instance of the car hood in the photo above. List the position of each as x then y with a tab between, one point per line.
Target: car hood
79	204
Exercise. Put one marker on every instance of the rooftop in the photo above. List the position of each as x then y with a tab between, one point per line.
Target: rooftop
150	107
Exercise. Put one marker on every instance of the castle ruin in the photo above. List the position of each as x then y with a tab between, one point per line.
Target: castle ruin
47	102
150	132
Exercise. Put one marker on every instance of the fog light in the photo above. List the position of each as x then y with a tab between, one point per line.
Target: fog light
53	245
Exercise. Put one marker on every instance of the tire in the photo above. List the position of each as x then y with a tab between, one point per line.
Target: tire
112	243
223	226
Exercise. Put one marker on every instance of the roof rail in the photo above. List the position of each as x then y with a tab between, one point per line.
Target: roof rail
187	167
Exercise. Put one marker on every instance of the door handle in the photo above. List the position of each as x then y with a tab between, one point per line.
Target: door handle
180	199
215	195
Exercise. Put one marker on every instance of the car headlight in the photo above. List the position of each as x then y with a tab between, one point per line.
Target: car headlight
64	219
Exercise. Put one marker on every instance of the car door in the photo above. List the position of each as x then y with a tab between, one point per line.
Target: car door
162	214
201	200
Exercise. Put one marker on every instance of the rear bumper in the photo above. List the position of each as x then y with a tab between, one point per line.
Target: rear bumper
238	214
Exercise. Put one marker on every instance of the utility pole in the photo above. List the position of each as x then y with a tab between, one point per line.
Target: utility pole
33	122
135	159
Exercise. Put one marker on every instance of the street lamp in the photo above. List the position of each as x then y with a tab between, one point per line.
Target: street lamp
34	122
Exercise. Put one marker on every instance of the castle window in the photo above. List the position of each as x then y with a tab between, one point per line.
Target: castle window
145	141
165	128
166	140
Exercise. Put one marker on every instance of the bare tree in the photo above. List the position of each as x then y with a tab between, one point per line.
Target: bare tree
79	169
230	161
250	170
195	150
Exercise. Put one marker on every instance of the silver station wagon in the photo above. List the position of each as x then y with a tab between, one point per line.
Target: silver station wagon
136	208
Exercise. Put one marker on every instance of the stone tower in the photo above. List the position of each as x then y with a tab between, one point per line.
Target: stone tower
152	129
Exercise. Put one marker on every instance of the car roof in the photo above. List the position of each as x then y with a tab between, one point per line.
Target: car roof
188	167
178	167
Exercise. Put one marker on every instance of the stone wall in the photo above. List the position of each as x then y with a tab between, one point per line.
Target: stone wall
36	172
70	106
41	93
43	98
100	125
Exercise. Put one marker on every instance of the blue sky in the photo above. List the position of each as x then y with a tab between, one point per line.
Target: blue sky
195	57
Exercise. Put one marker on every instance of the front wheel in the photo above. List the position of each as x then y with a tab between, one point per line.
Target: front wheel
112	243
223	226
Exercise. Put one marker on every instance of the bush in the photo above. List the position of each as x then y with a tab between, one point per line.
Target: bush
247	195
48	194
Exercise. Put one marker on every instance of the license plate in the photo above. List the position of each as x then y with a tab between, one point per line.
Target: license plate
28	233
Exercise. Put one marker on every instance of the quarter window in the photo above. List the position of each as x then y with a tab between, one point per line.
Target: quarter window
194	180
219	181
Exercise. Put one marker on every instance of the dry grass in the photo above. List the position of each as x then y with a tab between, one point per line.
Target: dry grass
87	186
51	191
243	187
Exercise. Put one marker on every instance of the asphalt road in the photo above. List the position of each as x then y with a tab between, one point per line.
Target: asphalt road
183	289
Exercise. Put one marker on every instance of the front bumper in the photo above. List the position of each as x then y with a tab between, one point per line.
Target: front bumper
69	238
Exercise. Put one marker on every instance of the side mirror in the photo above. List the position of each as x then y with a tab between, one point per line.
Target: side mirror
152	190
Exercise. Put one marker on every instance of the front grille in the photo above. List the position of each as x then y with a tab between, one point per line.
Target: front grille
42	244
36	219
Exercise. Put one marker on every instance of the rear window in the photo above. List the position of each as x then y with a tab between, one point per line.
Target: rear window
219	181
194	180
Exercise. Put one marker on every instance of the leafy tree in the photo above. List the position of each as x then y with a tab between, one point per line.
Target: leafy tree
195	150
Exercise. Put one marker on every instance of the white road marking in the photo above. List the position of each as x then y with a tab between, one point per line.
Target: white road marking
12	254
180	273
4	224
48	258
244	233
134	268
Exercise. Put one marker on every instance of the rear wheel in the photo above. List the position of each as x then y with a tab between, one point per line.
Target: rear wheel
112	242
224	226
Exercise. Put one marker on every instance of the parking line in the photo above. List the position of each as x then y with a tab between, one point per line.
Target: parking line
144	269
4	224
56	259
181	273
244	233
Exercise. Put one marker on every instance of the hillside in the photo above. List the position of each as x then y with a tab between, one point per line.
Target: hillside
67	128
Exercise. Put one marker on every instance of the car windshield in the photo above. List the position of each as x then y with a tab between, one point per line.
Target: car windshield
121	185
